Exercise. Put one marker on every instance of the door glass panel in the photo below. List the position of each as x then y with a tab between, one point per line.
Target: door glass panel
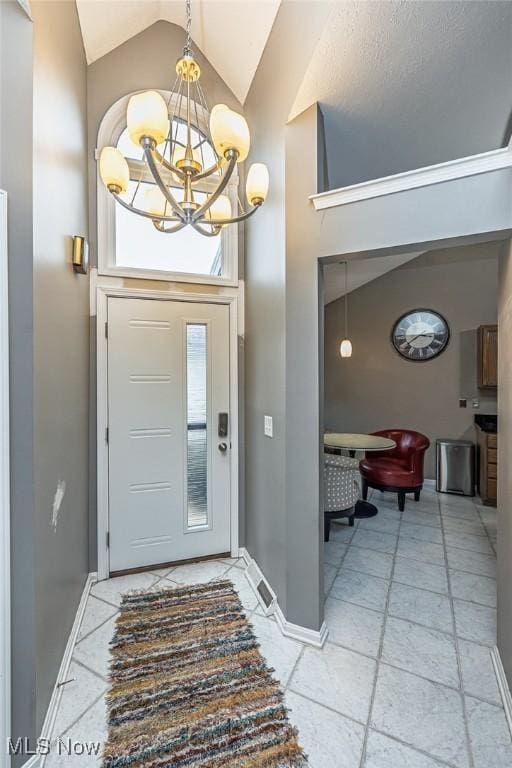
197	417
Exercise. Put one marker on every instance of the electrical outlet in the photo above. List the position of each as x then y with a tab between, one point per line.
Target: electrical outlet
476	403
269	426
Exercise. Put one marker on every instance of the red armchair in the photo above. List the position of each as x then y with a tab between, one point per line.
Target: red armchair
399	470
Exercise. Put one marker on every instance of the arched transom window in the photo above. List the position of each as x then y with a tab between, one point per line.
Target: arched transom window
129	245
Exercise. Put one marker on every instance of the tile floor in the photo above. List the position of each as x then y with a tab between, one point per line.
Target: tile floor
405	679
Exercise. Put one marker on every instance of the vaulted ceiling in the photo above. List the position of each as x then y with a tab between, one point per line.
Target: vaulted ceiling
360	271
402	83
407	84
230	33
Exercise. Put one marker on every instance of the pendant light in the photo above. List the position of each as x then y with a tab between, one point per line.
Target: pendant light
346	344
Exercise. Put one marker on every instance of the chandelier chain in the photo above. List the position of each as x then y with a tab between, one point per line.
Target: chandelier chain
188	43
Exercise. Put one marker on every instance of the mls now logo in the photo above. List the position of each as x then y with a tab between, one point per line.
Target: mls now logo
24	746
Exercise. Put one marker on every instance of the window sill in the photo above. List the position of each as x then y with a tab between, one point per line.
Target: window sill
168	277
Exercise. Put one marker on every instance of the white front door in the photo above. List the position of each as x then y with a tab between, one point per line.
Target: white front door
168	431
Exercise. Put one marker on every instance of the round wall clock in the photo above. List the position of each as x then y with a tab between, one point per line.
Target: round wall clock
420	335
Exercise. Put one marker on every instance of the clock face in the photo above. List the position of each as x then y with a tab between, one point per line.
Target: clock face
420	335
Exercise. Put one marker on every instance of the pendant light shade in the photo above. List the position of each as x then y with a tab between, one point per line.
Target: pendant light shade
229	130
114	170
147	115
346	344
154	201
220	209
257	183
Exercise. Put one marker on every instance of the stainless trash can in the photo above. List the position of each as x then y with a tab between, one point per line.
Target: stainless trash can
455	467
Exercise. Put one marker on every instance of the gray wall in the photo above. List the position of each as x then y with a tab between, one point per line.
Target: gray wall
376	388
505	461
272	523
412	84
16	178
61	333
43	169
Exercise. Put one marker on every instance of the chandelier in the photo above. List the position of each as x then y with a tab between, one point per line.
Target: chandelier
189	156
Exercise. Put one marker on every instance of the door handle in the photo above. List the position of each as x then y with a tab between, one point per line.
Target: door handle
223	425
223	447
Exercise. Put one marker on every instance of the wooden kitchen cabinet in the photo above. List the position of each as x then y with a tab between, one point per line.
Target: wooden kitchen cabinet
488	357
488	468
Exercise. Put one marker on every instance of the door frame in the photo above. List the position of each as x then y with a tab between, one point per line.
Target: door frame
103	293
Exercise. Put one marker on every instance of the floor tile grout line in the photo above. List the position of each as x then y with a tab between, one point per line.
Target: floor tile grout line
326	595
469	750
485	529
88	669
425	589
379	654
438	760
413	674
102	599
352	719
413	621
286	687
86	710
98	626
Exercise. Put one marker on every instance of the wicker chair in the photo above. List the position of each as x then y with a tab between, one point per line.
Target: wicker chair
341	489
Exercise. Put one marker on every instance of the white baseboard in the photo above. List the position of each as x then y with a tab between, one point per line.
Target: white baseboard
429	482
243	553
38	761
254	576
314	637
34	762
506	696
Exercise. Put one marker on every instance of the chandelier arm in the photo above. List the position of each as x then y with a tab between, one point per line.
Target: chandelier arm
212	169
148	153
207	233
167	165
160	227
140	212
220	189
235	220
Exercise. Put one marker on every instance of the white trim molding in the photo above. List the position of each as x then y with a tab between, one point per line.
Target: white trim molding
5	495
38	760
230	297
34	762
25	4
495	160
314	637
506	696
51	713
255	577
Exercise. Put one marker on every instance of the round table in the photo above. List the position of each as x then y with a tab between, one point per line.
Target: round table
351	442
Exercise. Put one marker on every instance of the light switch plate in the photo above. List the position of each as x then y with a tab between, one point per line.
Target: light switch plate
269	426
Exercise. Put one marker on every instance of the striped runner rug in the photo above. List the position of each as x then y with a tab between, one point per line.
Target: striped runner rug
190	688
